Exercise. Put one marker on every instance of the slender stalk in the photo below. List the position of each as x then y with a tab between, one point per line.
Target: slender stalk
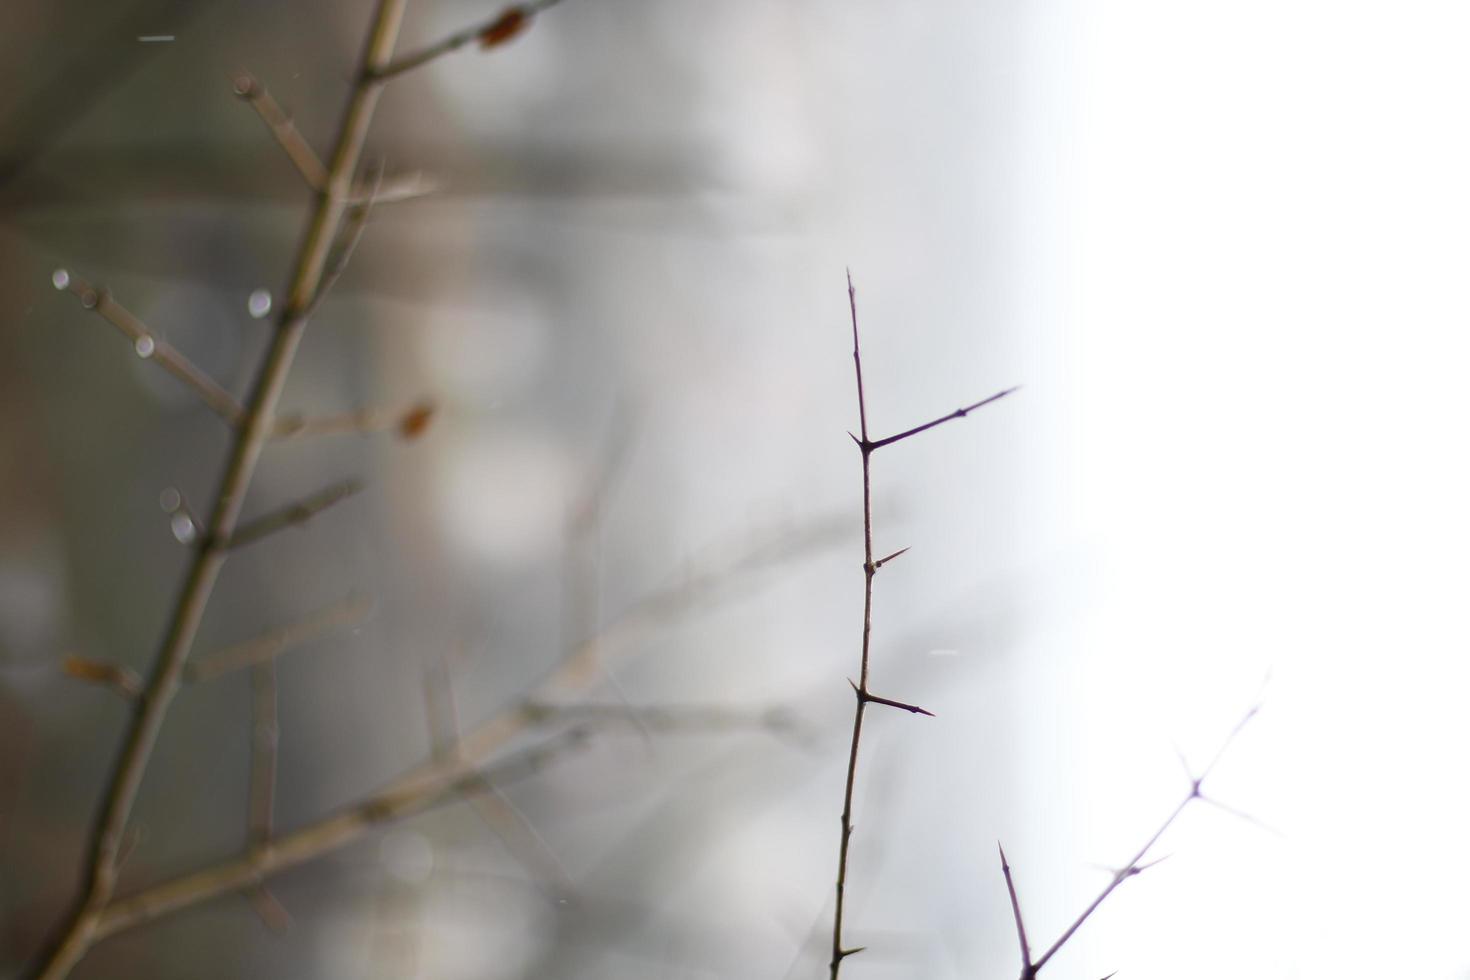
100	880
864	696
149	345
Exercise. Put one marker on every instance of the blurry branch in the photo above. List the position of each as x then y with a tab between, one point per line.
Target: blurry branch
427	785
490	804
255	652
864	696
266	647
409	423
391	190
293	514
1135	866
265	740
462	772
253	430
518	835
148	345
283	128
122	681
498	30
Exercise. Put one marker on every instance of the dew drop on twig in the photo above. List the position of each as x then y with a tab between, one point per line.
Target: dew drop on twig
61	278
170	499
182	525
144	346
259	303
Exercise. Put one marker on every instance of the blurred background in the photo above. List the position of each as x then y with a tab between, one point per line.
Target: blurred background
1223	250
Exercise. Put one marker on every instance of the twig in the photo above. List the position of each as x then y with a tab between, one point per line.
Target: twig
1027	970
148	345
427	785
100	879
294	514
265	739
270	645
409	422
497	30
864	696
283	128
1135	865
518	834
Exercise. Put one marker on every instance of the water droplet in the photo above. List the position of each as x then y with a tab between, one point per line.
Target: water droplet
89	298
61	278
144	346
182	525
259	303
170	499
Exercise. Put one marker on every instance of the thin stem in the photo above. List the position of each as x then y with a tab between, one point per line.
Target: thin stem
149	345
408	422
497	30
272	644
293	515
428	784
1135	864
84	922
840	952
866	448
283	128
1027	970
958	413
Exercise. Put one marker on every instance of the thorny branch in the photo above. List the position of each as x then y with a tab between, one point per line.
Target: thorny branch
1135	866
864	696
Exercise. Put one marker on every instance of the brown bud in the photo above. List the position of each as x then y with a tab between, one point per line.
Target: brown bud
416	420
505	27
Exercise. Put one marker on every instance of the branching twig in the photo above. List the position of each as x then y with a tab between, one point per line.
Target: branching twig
147	344
1135	866
84	923
864	696
499	29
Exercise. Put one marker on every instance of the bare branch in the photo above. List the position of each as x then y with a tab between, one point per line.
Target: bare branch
958	413
294	514
84	923
1136	864
265	737
503	27
519	836
148	345
427	785
409	423
283	128
270	645
1027	970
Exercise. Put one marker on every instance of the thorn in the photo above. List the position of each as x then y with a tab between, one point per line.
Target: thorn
883	561
904	705
844	954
